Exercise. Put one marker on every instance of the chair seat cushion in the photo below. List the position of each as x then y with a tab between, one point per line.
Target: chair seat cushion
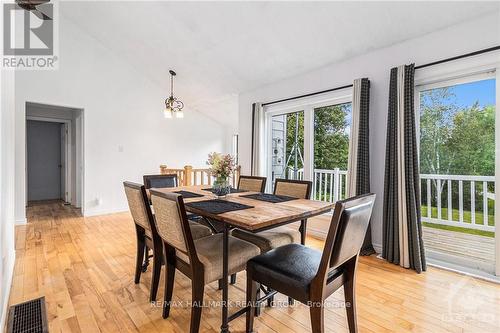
289	269
198	230
269	239
209	250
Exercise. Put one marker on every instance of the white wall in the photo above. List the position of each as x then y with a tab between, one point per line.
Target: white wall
467	37
7	254
125	134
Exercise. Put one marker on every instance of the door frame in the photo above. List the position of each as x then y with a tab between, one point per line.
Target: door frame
67	154
462	71
307	105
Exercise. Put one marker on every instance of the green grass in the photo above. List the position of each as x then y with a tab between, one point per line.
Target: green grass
455	214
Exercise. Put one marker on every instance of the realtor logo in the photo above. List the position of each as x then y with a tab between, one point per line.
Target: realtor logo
29	35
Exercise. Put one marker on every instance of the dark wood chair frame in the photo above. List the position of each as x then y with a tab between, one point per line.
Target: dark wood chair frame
144	243
302	229
194	270
147	179
323	285
263	179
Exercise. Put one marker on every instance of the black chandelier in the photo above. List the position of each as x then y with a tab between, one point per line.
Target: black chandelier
173	106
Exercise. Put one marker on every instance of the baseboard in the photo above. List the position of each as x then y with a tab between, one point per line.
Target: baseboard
316	233
21	221
96	212
9	277
377	247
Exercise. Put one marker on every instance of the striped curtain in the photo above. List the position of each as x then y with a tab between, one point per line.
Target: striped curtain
402	226
358	165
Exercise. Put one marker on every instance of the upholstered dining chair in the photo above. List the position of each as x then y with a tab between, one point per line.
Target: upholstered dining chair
160	181
310	276
200	260
252	183
147	236
270	239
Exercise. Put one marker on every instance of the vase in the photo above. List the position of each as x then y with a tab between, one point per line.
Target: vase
221	187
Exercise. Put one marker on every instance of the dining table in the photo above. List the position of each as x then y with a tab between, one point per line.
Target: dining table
249	211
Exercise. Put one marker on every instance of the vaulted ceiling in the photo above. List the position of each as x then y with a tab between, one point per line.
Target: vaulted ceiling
220	49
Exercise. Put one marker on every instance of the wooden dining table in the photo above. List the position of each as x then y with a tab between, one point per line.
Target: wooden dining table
261	216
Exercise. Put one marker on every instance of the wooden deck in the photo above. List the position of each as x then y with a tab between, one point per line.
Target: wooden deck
478	250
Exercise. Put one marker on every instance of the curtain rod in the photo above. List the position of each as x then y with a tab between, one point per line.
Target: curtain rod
307	95
494	48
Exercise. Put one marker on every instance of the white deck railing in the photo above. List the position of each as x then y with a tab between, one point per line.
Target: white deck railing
330	185
433	186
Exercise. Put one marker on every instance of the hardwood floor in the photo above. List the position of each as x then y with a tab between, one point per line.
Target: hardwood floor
85	266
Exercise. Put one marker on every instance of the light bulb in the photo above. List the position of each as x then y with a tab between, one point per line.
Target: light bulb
167	113
179	114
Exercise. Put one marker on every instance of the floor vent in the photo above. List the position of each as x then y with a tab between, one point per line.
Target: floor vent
28	317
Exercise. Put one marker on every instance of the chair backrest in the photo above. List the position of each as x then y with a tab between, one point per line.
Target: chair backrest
171	221
293	188
252	183
160	181
348	228
138	204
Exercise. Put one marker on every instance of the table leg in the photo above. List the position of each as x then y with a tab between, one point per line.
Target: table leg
225	267
303	227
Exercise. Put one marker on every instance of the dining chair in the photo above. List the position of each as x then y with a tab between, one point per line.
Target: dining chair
198	259
165	181
147	236
310	276
252	183
160	181
271	239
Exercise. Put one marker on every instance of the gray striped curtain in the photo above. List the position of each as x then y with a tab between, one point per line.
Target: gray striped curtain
402	226
358	175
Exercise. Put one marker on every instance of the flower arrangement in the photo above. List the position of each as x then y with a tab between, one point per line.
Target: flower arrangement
221	166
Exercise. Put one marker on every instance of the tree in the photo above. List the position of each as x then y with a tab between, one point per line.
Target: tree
472	141
331	136
436	117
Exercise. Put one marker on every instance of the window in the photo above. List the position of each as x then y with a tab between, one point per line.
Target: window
309	139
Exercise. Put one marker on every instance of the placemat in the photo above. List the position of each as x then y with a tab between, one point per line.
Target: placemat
269	197
187	194
233	190
217	206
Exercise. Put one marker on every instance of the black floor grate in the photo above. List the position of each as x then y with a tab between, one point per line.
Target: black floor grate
28	317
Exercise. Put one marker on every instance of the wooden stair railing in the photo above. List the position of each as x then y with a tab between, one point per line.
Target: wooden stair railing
188	175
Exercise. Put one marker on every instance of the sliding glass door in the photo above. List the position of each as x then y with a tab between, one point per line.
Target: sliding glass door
309	140
457	164
286	158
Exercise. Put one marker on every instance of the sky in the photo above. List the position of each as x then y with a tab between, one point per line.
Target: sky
467	94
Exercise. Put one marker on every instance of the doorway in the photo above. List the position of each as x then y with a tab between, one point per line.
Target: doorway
46	154
54	154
